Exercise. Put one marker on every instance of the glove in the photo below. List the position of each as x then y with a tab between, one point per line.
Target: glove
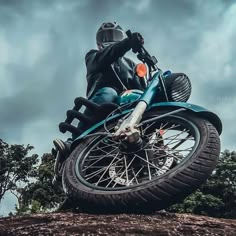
136	41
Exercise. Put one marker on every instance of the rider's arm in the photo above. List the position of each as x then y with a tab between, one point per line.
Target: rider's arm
99	60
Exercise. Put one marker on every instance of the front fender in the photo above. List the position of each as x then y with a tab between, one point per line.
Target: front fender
200	111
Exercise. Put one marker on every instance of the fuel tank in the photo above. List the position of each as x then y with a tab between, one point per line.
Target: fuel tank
129	96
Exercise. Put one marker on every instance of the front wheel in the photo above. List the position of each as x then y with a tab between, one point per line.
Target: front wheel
177	154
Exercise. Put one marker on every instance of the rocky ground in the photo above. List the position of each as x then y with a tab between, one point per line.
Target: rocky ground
88	224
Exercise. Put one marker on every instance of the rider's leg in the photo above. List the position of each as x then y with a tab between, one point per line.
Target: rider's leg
62	149
103	95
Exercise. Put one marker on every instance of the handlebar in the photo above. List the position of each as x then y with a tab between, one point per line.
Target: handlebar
144	56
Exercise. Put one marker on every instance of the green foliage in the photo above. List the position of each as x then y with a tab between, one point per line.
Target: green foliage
36	207
199	203
217	197
16	167
40	195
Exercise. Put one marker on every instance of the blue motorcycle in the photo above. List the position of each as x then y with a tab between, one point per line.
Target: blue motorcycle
144	154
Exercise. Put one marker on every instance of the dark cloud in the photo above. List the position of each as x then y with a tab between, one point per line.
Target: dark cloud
45	42
44	59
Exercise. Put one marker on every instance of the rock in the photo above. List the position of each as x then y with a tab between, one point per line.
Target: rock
161	224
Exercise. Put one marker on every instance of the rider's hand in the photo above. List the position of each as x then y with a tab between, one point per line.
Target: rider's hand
136	41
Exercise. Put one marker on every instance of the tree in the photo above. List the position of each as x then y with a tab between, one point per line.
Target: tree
217	197
41	195
16	167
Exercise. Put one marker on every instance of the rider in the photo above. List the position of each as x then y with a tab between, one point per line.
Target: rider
109	73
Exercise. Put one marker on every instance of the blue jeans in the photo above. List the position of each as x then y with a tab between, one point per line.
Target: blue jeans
103	95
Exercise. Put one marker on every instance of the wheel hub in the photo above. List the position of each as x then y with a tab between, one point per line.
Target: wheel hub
127	148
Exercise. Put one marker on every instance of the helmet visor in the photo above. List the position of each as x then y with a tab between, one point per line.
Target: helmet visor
109	35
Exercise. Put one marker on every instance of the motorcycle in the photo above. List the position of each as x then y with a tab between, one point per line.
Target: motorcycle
143	154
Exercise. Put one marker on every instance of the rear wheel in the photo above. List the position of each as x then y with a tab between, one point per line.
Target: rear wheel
175	157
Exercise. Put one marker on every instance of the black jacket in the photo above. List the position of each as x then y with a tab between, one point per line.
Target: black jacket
101	74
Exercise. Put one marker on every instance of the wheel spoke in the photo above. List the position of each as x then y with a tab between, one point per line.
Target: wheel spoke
100	159
173	150
110	140
148	165
175	136
184	150
166	130
171	154
166	155
91	175
148	126
182	141
135	176
148	162
116	175
107	168
125	170
105	145
97	157
161	127
100	149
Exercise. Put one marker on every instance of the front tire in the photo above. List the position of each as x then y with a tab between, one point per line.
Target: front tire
159	192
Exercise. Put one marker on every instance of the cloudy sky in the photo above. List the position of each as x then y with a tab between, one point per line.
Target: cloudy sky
43	44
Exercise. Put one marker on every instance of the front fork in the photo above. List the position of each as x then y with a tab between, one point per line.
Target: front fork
128	130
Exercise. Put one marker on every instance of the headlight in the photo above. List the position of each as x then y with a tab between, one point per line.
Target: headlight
179	88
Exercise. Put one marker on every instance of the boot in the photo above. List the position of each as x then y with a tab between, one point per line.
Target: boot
60	152
62	147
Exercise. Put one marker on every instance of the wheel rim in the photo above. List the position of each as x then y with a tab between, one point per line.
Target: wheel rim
167	145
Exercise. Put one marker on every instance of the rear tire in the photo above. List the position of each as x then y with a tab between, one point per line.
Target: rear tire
157	194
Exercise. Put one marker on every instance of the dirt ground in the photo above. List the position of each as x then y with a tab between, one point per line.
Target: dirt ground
90	224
